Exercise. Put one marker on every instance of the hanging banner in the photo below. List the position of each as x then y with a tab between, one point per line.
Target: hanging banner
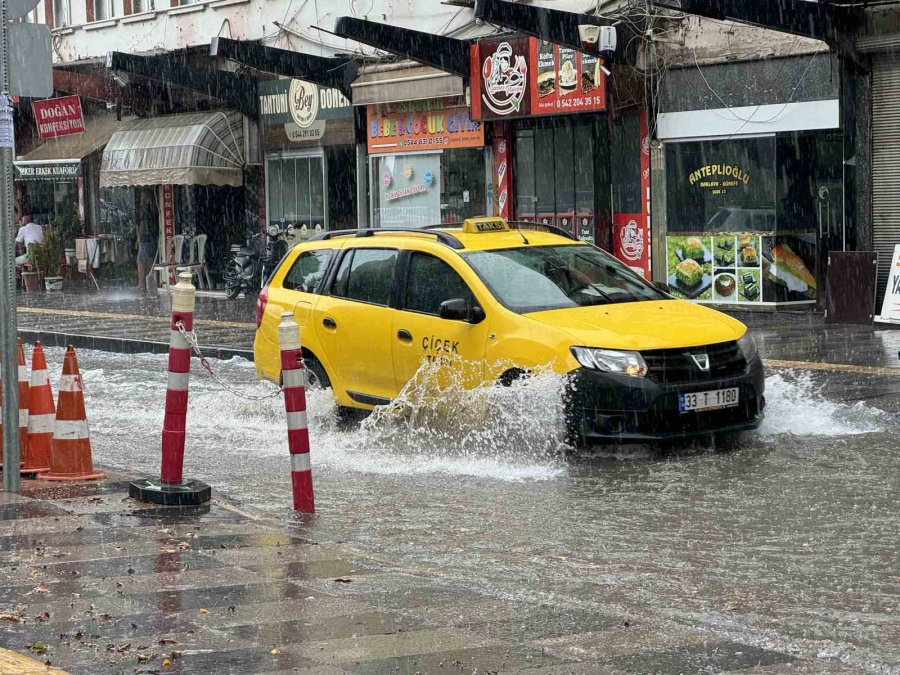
501	173
631	231
57	117
521	77
168	217
417	125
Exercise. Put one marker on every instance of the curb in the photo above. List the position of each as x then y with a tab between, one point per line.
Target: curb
121	345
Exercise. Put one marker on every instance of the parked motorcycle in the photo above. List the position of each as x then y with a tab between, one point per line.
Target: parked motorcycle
248	269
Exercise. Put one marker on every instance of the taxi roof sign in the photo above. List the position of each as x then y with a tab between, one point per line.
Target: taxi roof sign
478	225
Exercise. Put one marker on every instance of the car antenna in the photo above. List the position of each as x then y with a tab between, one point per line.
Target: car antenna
519	230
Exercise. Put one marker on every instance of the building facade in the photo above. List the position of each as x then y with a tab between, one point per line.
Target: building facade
698	139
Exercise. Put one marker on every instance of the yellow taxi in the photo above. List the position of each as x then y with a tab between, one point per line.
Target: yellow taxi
374	304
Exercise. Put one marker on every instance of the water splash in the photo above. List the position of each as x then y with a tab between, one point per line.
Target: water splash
796	405
436	426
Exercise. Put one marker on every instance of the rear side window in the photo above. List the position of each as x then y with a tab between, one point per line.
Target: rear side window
308	271
431	282
366	275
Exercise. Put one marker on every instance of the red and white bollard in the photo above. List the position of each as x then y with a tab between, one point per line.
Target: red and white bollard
174	424
293	377
172	489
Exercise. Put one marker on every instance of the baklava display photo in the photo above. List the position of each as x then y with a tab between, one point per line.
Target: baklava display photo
689	273
690	266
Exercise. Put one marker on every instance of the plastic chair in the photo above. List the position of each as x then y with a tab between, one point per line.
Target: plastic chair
197	260
178	245
167	262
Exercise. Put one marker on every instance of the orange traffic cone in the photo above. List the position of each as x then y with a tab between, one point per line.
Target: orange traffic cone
41	416
70	454
23	403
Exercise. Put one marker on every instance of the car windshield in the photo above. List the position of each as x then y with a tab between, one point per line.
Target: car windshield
536	278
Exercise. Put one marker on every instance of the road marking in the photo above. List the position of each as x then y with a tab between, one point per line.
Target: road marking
836	367
131	317
16	664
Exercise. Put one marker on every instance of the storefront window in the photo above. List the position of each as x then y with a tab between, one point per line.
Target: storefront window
296	192
52	199
421	189
407	190
745	217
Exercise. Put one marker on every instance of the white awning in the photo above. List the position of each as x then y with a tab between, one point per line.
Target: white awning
204	148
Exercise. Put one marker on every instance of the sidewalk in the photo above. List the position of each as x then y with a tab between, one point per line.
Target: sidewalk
92	582
129	322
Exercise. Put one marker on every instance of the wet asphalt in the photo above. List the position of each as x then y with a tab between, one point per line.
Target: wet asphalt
469	543
468	537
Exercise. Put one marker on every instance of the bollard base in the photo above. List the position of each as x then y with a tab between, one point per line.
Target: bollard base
188	493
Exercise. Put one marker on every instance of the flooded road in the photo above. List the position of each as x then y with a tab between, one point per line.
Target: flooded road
786	540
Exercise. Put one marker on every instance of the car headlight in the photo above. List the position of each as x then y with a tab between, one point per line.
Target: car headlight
611	361
747	345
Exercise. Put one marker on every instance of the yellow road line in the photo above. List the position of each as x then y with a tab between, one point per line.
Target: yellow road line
835	367
16	664
133	317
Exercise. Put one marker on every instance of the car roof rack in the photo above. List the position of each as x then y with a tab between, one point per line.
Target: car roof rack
541	227
517	225
442	237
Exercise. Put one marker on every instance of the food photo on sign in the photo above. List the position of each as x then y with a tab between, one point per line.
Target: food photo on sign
789	268
689	265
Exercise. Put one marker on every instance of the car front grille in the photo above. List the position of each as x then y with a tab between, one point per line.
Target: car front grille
675	366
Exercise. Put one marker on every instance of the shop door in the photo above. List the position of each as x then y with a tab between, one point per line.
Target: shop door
555	173
885	164
295	187
463	186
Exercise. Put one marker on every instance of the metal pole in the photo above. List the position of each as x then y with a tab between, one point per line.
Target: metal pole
8	351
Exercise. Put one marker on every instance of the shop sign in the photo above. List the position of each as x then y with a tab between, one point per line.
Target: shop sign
57	117
417	189
313	132
410	128
520	77
718	179
302	107
890	307
54	171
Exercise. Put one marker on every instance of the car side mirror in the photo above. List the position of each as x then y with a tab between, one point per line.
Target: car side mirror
457	309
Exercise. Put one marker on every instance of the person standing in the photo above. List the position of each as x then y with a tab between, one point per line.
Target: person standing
146	240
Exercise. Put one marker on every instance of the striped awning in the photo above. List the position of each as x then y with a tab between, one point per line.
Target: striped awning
205	148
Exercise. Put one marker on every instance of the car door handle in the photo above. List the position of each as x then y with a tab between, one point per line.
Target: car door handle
404	335
328	322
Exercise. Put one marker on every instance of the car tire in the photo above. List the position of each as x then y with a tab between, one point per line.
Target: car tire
317	378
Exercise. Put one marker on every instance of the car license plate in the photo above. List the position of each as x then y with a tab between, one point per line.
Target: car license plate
707	400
